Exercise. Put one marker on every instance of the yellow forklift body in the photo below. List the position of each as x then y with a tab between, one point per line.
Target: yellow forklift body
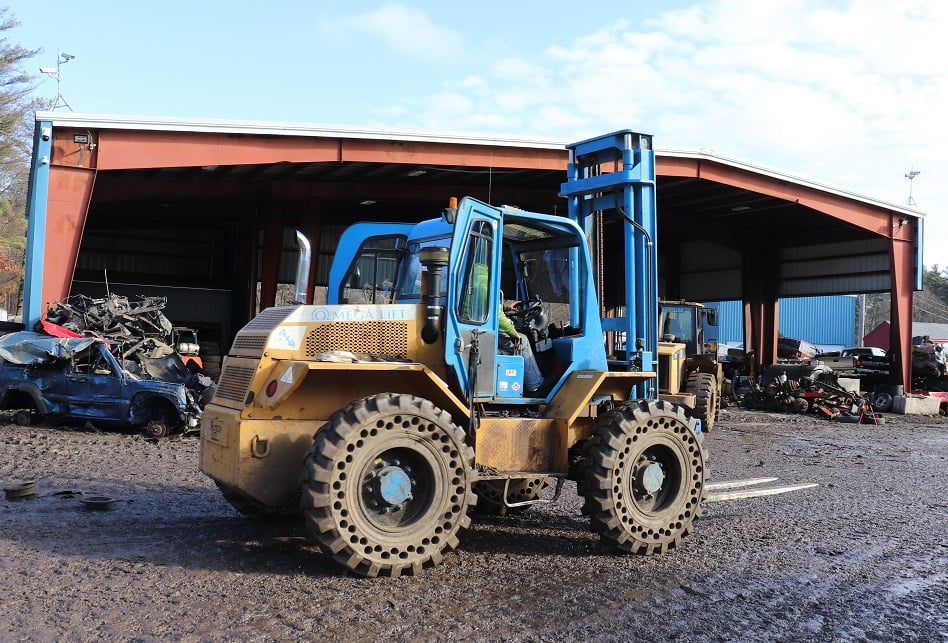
275	393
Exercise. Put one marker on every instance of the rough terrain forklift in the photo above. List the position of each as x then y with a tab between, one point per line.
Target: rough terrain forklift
385	424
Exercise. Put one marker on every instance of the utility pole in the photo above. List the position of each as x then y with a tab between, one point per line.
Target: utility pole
61	59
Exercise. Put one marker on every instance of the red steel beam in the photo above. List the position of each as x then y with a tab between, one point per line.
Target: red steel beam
902	257
126	149
70	190
874	219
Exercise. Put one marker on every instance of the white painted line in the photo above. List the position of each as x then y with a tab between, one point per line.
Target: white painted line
733	484
754	493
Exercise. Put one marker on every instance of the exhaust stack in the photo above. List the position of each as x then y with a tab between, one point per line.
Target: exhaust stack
302	269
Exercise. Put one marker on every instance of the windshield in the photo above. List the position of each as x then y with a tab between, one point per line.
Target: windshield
411	272
678	323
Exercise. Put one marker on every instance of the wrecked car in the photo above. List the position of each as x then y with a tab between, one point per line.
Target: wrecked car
858	359
79	379
929	361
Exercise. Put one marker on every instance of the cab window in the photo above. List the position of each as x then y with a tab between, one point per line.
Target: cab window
371	277
476	281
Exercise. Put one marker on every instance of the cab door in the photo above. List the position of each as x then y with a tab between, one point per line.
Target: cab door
94	390
474	297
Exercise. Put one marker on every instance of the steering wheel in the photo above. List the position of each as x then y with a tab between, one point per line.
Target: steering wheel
529	317
522	309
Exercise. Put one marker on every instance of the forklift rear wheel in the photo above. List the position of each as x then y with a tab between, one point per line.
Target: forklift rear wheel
644	477
490	494
387	485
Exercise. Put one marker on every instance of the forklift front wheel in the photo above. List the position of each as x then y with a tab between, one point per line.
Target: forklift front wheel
644	477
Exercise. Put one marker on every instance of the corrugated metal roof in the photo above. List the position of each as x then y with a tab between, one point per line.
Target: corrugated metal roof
275	128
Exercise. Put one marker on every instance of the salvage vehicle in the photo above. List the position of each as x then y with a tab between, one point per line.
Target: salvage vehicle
383	423
929	361
857	359
78	379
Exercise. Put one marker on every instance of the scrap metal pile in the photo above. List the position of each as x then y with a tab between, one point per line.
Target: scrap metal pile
137	331
807	388
929	361
114	317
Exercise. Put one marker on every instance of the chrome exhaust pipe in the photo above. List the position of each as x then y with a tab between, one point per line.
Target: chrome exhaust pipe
302	268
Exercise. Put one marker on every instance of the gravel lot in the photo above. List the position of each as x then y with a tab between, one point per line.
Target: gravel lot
862	556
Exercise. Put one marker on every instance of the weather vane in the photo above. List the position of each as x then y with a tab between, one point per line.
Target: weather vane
911	177
61	59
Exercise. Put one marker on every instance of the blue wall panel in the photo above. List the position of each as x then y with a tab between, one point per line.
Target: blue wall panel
828	322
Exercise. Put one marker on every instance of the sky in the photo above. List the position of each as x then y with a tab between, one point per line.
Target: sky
851	94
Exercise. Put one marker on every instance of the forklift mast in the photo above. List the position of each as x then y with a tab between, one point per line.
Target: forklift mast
611	180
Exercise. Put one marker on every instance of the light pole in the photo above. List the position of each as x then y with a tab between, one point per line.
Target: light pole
911	177
61	59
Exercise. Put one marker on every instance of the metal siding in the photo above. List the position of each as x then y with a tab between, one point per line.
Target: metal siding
704	255
709	271
819	320
824	321
851	283
843	267
854	248
712	283
289	253
730	328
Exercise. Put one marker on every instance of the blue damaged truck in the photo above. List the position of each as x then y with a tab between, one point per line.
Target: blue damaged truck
78	379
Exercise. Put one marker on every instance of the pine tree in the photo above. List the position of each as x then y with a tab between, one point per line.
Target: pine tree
17	106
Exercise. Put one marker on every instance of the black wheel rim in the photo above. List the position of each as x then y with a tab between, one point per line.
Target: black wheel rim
656	479
398	487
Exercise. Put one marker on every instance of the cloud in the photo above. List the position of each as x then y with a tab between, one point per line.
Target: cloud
851	93
405	30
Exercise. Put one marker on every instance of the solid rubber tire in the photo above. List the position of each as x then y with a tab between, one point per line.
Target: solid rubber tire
395	429
625	438
705	389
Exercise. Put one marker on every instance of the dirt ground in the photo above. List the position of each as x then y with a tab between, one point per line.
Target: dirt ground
861	556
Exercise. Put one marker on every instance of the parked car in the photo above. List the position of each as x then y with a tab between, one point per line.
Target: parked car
80	379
